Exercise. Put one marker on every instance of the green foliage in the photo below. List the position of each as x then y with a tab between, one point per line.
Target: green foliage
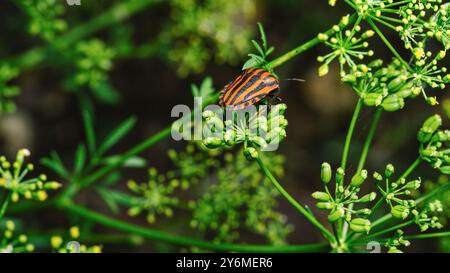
93	60
195	24
12	243
44	17
7	93
242	197
263	51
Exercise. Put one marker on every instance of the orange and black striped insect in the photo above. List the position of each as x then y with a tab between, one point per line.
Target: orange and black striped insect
249	88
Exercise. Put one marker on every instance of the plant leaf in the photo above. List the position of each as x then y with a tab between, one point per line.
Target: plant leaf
258	48
117	134
89	130
109	200
263	36
132	162
80	159
54	163
105	93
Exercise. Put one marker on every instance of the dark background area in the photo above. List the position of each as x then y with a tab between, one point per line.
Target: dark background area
319	110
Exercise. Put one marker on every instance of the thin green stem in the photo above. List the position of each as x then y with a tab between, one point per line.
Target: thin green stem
368	142
5	204
410	237
351	129
327	234
362	160
428	235
181	240
388	44
411	168
389	229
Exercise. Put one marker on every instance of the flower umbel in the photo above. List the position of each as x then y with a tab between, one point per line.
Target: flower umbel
13	178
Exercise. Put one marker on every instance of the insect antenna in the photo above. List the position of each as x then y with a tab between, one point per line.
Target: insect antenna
294	79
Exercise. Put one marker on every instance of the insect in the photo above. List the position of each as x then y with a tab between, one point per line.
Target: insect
249	88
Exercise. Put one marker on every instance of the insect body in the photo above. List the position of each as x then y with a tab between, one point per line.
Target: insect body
249	88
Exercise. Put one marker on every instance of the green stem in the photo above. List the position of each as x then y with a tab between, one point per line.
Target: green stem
427	235
181	240
369	139
411	168
350	131
294	203
5	204
410	237
343	226
381	232
362	160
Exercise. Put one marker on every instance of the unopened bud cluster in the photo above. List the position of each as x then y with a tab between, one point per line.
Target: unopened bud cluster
433	144
259	131
340	204
154	197
13	178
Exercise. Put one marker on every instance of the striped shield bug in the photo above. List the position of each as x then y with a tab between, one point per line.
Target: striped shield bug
249	88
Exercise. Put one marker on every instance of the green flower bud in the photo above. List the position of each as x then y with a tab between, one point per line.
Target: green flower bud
321	196
364	211
53	185
216	123
373	99
380	72
323	70
208	114
368	197
429	127
360	225
324	205
432	123
325	173
397	83
389	171
259	141
445	170
393	103
276	135
359	178
251	153
213	142
400	211
278	109
377	176
340	175
278	121
336	214
413	185
230	137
